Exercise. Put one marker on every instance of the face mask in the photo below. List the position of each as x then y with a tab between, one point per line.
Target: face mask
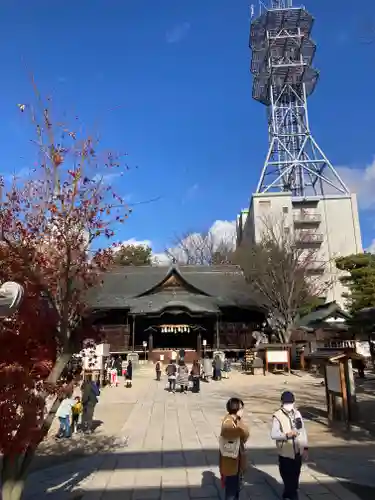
288	407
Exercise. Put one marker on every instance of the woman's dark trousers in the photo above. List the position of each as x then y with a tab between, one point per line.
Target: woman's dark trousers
232	487
196	384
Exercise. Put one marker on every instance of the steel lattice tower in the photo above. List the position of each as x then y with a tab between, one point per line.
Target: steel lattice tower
282	57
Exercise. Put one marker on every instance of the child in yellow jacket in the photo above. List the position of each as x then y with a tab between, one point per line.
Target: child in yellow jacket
76	412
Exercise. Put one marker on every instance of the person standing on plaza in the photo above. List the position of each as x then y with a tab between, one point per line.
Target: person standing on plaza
158	371
64	413
124	364
232	459
207	367
77	409
183	377
218	367
289	433
114	377
196	375
171	372
226	368
129	374
90	394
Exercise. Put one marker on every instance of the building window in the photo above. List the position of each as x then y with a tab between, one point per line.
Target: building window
285	210
265	204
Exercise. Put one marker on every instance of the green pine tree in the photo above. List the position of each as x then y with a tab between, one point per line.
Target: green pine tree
360	280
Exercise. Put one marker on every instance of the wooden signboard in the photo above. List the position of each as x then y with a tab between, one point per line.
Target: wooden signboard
278	357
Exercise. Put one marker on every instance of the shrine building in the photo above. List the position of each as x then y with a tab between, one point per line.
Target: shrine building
159	310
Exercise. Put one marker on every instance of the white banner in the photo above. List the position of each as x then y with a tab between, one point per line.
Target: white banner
277	356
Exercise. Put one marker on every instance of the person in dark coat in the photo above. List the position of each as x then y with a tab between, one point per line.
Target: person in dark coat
129	374
218	366
158	371
196	375
90	393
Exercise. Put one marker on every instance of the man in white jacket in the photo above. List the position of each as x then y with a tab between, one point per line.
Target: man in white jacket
288	430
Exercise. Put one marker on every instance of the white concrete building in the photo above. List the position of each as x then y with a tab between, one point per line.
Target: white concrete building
327	224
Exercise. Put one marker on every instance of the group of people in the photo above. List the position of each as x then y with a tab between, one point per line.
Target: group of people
220	368
288	432
77	413
178	374
112	369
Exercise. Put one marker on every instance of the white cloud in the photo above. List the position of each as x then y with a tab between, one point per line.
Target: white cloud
224	231
361	182
161	259
371	248
177	33
134	241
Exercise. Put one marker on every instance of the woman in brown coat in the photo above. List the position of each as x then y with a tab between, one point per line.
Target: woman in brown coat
233	436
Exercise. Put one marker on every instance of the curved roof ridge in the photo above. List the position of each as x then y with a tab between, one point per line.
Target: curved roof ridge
174	269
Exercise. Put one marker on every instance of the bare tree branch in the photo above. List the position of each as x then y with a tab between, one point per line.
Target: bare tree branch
201	249
286	271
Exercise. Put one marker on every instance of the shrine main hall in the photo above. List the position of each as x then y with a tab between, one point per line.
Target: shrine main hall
158	310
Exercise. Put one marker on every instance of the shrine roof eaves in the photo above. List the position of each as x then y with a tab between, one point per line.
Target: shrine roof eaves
224	283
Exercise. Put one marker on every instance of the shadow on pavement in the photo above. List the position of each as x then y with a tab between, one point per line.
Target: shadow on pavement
257	483
355	468
58	452
358	432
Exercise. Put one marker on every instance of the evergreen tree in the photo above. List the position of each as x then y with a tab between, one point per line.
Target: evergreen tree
133	255
360	280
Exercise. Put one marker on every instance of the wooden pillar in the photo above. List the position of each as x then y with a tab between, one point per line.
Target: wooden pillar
133	334
199	345
217	333
344	387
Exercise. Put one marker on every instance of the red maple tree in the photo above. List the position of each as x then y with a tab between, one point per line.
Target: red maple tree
48	226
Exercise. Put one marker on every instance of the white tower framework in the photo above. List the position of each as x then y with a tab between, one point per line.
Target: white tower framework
282	57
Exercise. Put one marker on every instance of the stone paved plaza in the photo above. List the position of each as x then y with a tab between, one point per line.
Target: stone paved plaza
167	447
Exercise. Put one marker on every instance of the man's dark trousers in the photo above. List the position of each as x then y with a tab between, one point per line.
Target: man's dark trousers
290	470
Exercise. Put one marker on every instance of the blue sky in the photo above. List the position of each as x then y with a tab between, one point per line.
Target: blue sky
168	82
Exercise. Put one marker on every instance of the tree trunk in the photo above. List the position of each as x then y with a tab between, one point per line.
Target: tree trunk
14	470
286	331
13	489
12	479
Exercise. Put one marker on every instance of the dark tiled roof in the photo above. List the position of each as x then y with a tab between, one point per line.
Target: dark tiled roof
332	355
226	284
156	303
321	314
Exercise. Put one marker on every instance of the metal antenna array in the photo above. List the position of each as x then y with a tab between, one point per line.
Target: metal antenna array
282	56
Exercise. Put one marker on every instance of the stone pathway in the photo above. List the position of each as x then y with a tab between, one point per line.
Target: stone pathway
168	449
